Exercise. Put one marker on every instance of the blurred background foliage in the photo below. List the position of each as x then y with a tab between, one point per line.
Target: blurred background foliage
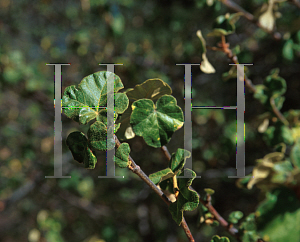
149	38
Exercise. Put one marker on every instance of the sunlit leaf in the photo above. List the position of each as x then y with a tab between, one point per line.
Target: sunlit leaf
278	216
235	216
85	102
217	238
162	175
267	19
205	65
156	124
151	89
122	155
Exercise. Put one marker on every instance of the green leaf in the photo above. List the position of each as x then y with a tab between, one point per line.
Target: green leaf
160	176
278	216
276	85
260	93
78	144
156	124
217	238
84	103
122	155
209	191
187	199
248	227
224	24
151	89
178	159
287	50
278	134
167	185
121	102
97	135
249	223
295	154
235	216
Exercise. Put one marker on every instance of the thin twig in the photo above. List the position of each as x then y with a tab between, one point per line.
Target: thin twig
234	59
248	82
235	7
208	205
137	170
277	112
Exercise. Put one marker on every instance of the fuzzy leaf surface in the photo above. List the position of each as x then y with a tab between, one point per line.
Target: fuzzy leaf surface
160	176
97	135
84	103
178	159
122	155
151	89
156	124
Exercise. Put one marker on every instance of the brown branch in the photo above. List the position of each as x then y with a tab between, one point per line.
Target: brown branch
234	59
137	170
208	205
235	7
277	112
248	82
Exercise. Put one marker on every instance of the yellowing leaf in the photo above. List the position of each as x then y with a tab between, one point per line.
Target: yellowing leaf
267	19
205	66
202	41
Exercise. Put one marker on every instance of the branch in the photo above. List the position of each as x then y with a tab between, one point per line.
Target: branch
235	7
225	48
277	112
234	59
228	226
208	204
137	170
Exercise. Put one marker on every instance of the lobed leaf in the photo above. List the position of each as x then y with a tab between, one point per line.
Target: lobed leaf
224	24
85	102
156	124
150	89
187	199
